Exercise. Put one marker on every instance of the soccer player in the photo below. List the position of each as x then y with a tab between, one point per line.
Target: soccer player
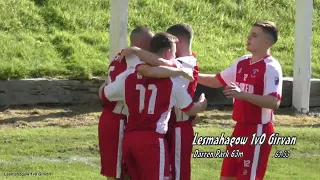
149	102
180	133
255	83
113	117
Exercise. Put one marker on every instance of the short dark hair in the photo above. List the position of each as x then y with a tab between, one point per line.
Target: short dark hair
269	28
181	30
162	41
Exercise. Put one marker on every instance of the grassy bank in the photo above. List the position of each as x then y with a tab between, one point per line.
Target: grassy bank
69	39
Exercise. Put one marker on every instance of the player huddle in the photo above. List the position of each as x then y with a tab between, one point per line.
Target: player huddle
146	127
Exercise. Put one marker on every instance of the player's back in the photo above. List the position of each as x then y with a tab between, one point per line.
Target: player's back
116	67
149	102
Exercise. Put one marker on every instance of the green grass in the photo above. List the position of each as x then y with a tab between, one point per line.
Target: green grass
69	39
72	153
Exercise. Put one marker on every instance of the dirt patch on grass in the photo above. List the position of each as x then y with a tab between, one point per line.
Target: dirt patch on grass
84	115
39	116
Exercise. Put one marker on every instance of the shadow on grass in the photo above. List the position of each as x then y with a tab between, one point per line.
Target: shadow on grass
300	125
34	114
223	117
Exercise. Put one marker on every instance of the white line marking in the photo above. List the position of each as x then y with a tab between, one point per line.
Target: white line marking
91	161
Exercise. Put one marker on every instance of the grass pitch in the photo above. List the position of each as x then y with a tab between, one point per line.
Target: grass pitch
61	143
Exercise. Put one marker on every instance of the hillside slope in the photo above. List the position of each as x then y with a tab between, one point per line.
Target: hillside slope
69	38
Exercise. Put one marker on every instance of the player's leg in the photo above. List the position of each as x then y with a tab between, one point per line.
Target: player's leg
126	177
110	132
228	168
254	162
103	134
183	150
152	158
229	165
129	165
264	152
131	170
170	137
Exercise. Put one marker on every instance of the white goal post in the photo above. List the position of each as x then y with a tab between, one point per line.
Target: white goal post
302	56
302	48
118	26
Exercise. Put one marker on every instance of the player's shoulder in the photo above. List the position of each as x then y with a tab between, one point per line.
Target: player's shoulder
272	63
125	74
244	57
186	59
133	61
117	57
116	60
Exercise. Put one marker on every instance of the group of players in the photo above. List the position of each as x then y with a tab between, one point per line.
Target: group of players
146	127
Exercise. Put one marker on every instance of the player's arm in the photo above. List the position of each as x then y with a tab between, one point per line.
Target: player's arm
271	98
219	80
148	57
158	71
209	80
101	90
185	102
197	107
115	91
268	101
194	108
164	71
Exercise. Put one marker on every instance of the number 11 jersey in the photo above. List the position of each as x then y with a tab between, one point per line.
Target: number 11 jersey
149	100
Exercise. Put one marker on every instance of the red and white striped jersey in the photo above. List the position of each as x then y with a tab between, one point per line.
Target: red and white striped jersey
149	100
262	78
117	67
191	63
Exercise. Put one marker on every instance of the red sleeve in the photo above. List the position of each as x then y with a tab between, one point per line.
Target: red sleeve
221	80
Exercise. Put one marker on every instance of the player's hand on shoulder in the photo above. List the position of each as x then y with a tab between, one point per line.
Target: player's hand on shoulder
127	52
188	74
